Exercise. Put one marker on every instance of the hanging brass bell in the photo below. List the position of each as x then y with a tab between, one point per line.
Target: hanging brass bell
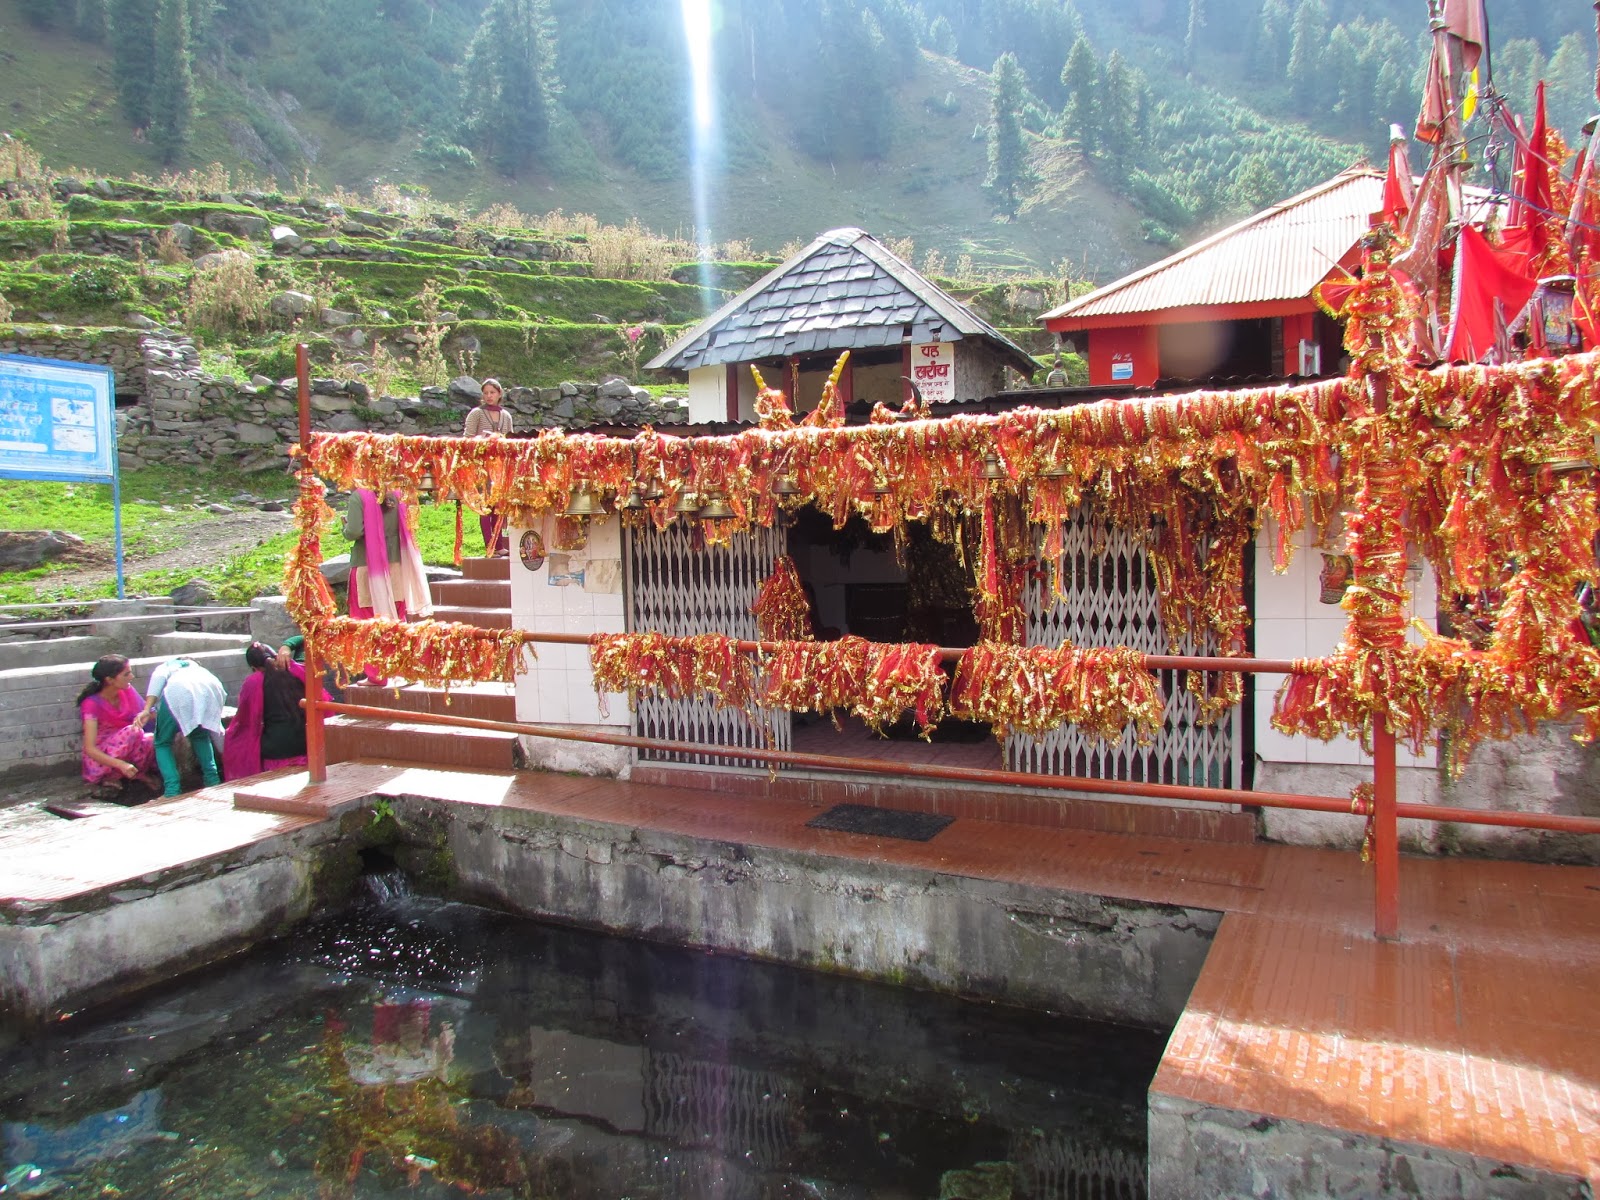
688	504
880	486
992	468
786	485
584	502
1055	471
425	486
633	501
715	508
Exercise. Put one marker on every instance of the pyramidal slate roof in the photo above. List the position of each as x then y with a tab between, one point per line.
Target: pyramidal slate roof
844	291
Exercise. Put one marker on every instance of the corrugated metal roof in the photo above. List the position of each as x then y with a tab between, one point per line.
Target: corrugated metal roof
1280	253
844	291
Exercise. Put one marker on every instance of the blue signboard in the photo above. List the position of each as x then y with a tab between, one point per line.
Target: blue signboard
56	421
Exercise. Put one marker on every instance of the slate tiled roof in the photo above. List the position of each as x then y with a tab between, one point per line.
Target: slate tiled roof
1280	253
845	291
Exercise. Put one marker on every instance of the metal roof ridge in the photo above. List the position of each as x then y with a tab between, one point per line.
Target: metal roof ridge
1272	211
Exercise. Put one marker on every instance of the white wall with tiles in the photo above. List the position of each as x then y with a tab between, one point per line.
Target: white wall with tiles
1292	622
570	591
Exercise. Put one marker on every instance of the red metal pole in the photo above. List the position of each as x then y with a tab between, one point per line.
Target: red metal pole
1385	832
316	734
302	373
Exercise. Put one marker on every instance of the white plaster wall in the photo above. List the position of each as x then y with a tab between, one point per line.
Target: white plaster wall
1292	622
559	689
708	394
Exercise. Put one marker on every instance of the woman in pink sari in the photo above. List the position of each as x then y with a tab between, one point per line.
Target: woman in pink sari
116	747
268	729
387	578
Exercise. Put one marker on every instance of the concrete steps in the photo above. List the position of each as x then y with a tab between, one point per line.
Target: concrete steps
399	741
481	597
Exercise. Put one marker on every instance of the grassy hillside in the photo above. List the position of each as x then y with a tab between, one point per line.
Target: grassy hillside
56	93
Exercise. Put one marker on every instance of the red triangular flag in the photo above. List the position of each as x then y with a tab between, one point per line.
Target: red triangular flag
1481	279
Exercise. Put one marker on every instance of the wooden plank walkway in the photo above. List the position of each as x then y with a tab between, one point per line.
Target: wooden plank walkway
1473	1033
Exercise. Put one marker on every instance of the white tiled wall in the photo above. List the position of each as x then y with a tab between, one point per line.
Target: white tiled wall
559	689
1292	622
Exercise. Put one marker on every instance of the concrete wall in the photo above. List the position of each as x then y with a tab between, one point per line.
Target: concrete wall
94	948
1083	955
39	720
1200	1153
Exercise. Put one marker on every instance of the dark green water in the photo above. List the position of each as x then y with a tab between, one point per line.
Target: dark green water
418	1049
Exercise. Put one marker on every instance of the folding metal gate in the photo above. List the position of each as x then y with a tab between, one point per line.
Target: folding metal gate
679	586
1113	601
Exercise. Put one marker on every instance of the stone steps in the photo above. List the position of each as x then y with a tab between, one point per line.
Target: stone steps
400	741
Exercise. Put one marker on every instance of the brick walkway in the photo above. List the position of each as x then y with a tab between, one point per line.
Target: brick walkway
1473	1033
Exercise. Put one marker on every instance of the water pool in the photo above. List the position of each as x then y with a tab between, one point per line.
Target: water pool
413	1048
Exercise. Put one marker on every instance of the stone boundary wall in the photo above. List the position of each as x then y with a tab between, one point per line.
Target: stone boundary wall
188	416
38	711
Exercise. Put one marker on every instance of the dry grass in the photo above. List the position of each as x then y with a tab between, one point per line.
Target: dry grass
210	180
20	161
431	366
229	296
168	251
6	310
505	218
630	252
33	205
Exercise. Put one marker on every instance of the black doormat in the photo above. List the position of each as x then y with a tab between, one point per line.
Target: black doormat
881	822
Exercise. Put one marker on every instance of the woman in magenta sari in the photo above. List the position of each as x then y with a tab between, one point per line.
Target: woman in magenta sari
116	747
268	729
387	579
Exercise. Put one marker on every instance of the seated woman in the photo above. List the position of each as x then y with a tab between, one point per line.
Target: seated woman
116	747
187	699
269	728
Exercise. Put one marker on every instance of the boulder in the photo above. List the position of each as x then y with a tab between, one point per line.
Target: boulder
24	548
615	389
182	234
285	239
334	317
336	570
197	593
218	258
270	621
464	387
292	304
239	224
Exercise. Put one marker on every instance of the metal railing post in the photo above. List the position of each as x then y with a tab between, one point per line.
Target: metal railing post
1385	833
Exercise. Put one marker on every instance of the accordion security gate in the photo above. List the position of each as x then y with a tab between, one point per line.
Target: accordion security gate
679	586
1113	600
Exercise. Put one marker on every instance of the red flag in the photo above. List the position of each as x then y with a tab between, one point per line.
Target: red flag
1481	280
1399	190
1465	20
1535	189
1465	32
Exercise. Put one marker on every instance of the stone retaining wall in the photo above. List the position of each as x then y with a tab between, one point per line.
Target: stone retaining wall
187	416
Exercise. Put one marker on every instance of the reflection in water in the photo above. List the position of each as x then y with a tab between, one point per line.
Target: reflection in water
427	1049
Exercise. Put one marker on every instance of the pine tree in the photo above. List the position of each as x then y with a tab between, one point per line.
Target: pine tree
40	12
1518	65
1118	103
942	37
172	81
1191	40
1081	79
1569	79
510	82
132	25
1008	166
1306	81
